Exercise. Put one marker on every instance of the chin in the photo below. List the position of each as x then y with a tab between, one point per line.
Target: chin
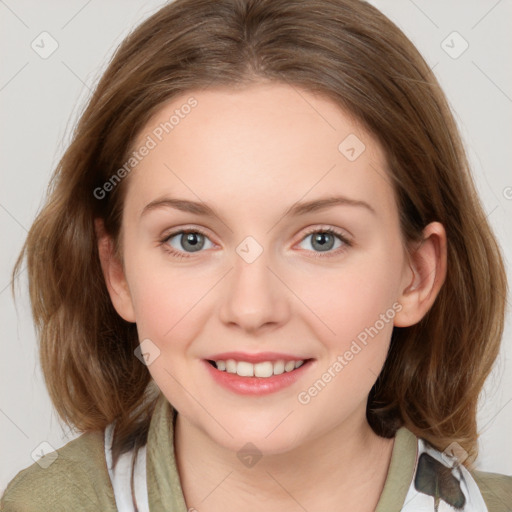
270	437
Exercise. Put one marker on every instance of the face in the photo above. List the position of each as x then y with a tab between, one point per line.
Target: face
259	281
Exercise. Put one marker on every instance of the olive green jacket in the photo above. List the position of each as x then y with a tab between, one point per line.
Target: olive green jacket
78	479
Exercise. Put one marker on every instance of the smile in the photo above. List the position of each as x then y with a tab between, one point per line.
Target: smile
256	378
264	369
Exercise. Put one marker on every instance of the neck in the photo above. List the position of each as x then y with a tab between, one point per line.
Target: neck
347	466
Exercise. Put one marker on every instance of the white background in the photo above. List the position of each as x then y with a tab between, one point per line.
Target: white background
40	100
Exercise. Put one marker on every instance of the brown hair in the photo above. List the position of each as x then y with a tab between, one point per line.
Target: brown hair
347	51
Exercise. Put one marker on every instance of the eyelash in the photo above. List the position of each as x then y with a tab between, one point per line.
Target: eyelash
328	230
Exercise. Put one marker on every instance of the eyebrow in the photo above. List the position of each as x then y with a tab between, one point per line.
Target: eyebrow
299	208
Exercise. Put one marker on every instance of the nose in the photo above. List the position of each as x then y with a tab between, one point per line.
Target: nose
254	298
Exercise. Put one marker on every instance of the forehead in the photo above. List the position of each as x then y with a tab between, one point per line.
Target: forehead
267	144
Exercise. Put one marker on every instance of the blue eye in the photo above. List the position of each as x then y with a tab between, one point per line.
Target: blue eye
324	239
187	240
183	243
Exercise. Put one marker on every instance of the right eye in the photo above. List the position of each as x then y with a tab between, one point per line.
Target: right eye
184	242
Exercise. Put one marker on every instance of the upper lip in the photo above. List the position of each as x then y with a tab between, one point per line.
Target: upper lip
255	358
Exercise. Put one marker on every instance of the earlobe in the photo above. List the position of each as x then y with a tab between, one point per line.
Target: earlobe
427	264
114	274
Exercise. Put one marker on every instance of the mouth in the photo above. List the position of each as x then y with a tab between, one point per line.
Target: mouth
264	369
259	377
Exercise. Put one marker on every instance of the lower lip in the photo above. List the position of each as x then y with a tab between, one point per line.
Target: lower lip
256	385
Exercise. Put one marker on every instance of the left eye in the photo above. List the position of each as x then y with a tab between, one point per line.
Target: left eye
324	240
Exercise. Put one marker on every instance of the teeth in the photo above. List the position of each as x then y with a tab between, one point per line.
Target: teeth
264	369
289	366
245	369
231	366
278	367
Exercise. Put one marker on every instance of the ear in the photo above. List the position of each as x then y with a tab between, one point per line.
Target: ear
424	277
114	275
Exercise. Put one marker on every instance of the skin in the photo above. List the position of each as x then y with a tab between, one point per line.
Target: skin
250	154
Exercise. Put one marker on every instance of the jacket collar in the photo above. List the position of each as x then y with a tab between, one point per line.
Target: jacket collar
163	482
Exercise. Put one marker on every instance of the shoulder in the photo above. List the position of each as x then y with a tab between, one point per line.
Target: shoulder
74	477
496	490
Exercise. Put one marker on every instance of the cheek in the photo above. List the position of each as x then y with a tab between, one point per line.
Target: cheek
354	299
167	301
357	309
